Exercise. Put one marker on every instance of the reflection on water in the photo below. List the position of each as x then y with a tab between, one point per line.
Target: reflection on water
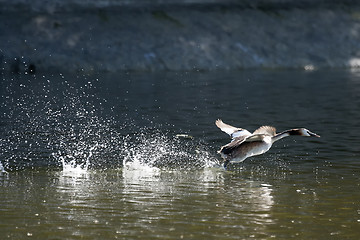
136	202
201	198
133	156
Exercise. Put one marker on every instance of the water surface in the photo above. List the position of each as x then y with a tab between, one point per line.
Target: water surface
98	156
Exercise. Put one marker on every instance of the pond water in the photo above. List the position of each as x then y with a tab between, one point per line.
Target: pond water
134	156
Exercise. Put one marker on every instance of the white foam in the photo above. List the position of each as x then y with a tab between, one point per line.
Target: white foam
71	170
2	170
158	150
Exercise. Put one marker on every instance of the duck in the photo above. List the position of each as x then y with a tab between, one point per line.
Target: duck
245	144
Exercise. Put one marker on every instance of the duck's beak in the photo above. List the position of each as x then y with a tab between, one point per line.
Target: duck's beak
313	134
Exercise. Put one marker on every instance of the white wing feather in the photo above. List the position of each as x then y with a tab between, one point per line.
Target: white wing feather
234	132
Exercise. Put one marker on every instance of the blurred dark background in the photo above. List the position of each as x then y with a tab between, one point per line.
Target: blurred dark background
188	35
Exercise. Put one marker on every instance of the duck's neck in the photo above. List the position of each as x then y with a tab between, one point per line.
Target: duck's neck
285	134
281	135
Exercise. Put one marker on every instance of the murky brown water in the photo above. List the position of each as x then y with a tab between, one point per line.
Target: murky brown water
97	157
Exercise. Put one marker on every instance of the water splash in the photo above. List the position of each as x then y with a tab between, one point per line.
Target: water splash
2	170
161	151
53	124
57	124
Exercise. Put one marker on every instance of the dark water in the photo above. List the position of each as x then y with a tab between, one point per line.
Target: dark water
99	156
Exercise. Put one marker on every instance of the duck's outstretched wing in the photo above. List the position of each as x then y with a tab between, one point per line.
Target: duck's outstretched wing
234	132
255	138
267	130
245	142
226	149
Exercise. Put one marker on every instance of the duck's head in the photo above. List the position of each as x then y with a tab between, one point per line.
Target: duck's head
307	133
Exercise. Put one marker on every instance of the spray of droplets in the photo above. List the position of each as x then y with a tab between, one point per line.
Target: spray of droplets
162	151
57	124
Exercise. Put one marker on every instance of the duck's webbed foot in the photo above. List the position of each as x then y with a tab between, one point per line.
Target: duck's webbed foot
226	162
